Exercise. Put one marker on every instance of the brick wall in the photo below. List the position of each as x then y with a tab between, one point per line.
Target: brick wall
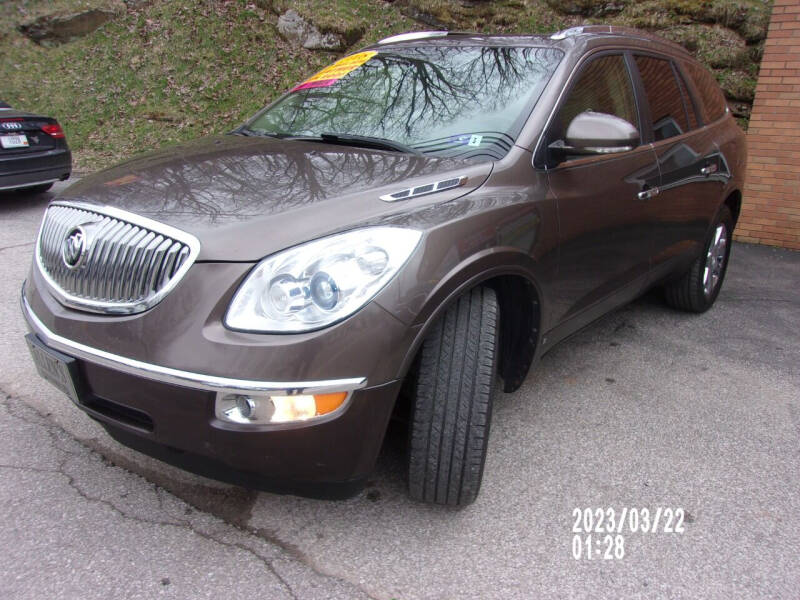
771	205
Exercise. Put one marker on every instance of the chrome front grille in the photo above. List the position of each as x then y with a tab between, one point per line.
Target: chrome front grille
107	260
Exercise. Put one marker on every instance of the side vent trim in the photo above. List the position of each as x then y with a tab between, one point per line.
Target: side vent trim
425	189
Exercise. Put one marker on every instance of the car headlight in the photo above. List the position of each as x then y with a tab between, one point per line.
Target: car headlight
321	282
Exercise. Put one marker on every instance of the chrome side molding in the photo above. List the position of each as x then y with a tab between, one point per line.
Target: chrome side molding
171	376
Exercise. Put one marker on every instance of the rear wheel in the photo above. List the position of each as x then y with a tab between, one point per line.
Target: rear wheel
699	287
452	402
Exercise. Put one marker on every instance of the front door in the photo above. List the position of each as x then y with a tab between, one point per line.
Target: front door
603	224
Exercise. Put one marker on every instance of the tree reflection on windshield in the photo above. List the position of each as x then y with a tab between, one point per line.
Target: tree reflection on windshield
447	100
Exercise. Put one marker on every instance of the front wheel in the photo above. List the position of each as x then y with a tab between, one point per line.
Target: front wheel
698	288
452	403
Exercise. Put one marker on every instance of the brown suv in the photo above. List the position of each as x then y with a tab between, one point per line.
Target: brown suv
427	214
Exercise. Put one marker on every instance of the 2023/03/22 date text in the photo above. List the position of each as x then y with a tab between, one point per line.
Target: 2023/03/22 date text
599	532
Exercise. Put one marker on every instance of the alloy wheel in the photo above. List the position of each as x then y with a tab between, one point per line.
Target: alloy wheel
715	260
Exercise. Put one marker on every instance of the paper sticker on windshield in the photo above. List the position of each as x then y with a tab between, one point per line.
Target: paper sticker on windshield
466	140
333	73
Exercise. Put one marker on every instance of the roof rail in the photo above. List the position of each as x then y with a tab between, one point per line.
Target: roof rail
565	33
412	35
616	30
419	35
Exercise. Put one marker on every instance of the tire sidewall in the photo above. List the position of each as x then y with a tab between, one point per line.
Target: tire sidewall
430	430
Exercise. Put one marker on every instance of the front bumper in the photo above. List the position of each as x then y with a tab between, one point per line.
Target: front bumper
169	413
198	381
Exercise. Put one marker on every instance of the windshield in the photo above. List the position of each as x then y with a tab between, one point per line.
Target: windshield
453	101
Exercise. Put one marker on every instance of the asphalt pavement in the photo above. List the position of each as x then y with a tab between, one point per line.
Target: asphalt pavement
649	408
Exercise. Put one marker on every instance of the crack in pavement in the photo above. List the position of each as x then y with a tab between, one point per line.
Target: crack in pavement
72	482
54	431
16	246
755	299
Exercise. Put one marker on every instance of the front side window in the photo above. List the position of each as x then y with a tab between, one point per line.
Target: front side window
604	86
667	108
450	101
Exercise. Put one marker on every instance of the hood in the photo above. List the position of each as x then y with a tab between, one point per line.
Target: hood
245	197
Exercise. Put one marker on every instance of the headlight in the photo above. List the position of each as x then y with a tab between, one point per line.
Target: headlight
321	282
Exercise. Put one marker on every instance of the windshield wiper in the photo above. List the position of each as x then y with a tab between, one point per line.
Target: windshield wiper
246	131
342	139
363	141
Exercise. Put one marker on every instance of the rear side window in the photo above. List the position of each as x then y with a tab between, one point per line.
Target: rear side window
711	97
667	108
694	122
603	86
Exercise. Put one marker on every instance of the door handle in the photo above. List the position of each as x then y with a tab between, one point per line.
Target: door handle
648	193
709	169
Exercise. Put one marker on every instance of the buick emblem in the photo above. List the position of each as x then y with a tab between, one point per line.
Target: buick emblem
12	125
74	248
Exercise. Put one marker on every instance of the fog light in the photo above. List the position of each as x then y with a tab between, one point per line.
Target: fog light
259	410
239	408
246	406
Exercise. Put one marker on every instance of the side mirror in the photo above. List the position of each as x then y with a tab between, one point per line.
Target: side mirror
597	133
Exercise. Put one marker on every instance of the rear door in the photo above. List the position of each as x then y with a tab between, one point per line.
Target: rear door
604	234
692	171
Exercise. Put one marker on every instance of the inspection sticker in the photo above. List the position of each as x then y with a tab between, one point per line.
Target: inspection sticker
333	73
466	140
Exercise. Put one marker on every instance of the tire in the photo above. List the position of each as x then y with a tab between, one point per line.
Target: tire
698	288
37	189
451	402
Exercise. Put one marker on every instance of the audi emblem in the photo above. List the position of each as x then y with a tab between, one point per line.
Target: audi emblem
12	125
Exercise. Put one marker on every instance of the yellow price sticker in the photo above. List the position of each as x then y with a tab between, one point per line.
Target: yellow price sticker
333	73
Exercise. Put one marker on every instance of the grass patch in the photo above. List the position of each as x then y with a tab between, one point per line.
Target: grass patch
716	46
15	12
502	16
737	84
749	17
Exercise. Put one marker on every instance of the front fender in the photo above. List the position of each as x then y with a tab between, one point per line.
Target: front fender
476	269
502	233
512	273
